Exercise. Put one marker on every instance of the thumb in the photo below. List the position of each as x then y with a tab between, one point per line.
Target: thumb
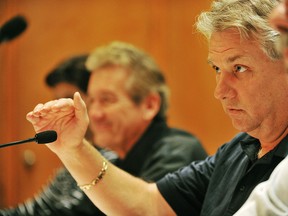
80	107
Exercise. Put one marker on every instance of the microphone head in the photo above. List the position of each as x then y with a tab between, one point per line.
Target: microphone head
46	137
13	28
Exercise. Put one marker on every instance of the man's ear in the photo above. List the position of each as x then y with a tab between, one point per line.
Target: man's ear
151	106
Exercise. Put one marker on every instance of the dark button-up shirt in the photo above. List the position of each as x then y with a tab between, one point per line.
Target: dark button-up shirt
161	150
221	183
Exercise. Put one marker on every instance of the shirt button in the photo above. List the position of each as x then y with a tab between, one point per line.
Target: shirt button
242	188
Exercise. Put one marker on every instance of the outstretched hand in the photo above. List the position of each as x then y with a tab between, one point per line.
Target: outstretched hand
66	116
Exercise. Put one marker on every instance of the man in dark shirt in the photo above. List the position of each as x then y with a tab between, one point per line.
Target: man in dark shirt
243	54
127	105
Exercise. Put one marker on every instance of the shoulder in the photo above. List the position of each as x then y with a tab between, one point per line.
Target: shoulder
180	139
180	136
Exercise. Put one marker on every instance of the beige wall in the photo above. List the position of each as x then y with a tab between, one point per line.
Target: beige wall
58	29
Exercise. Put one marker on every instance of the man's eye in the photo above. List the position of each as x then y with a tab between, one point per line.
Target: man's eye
217	69
107	100
240	69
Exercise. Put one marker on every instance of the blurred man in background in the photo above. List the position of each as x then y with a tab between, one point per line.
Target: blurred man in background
127	102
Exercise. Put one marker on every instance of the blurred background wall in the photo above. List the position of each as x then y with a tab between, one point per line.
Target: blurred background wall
58	29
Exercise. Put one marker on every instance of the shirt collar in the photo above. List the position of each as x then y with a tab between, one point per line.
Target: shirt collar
138	153
251	147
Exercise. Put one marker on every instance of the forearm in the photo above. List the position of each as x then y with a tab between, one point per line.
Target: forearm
117	193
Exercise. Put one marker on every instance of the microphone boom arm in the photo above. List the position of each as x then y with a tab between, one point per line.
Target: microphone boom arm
17	142
41	138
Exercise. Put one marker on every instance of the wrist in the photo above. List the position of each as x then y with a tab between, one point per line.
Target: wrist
72	152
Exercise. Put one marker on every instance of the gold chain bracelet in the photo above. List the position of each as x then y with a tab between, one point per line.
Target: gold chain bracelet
86	187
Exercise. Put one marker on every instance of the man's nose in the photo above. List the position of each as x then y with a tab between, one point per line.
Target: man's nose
224	86
95	111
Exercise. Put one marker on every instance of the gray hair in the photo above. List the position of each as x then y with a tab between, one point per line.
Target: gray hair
250	17
145	77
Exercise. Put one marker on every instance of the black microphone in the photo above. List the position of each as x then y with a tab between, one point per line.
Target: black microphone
12	28
40	138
